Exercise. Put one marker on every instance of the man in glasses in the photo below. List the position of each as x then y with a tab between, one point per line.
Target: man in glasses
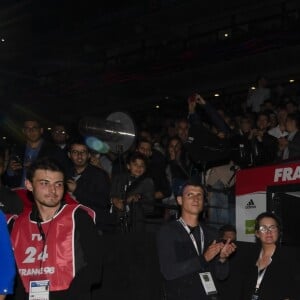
60	136
88	184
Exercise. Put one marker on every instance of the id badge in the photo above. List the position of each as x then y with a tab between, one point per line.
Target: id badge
39	290
208	283
254	297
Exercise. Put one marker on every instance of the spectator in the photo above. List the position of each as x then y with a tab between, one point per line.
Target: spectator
178	171
22	156
227	231
132	194
10	202
156	169
279	130
257	96
60	137
88	184
290	146
264	146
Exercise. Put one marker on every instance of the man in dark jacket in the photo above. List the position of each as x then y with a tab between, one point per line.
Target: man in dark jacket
189	255
89	185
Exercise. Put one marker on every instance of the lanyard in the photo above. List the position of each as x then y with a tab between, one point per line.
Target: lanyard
187	229
260	276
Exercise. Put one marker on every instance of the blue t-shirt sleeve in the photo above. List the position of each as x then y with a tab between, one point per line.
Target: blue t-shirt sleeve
7	263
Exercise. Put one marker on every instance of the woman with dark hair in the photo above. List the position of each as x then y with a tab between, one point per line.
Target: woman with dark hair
270	271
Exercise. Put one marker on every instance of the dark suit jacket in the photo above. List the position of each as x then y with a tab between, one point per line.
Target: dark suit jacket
93	190
294	146
180	264
281	280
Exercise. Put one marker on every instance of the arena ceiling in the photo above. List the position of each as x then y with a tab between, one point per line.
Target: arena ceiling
66	58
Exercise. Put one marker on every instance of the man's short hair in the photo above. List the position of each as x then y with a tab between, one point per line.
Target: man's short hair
193	181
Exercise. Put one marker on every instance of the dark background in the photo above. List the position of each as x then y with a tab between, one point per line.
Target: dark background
64	59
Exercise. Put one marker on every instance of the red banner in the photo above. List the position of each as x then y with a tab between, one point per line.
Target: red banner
257	179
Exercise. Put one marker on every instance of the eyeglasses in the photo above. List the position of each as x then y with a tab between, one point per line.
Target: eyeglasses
59	132
265	228
76	152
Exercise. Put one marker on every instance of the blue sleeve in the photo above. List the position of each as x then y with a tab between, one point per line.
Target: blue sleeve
7	264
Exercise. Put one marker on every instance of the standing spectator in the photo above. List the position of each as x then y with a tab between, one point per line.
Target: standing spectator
257	96
242	143
7	265
264	146
56	245
291	145
178	171
291	106
102	161
280	131
89	185
227	231
156	169
10	202
22	156
60	137
188	252
132	194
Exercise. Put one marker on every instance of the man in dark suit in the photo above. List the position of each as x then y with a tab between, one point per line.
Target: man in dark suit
88	184
291	145
190	257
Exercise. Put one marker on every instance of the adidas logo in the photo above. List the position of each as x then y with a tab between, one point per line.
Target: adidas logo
250	204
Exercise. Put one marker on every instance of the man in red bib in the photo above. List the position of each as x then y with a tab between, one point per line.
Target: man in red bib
56	245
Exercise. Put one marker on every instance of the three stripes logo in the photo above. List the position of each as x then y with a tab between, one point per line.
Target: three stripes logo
250	204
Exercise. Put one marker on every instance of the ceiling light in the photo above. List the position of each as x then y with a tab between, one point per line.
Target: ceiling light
253	88
216	94
292	80
157	106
